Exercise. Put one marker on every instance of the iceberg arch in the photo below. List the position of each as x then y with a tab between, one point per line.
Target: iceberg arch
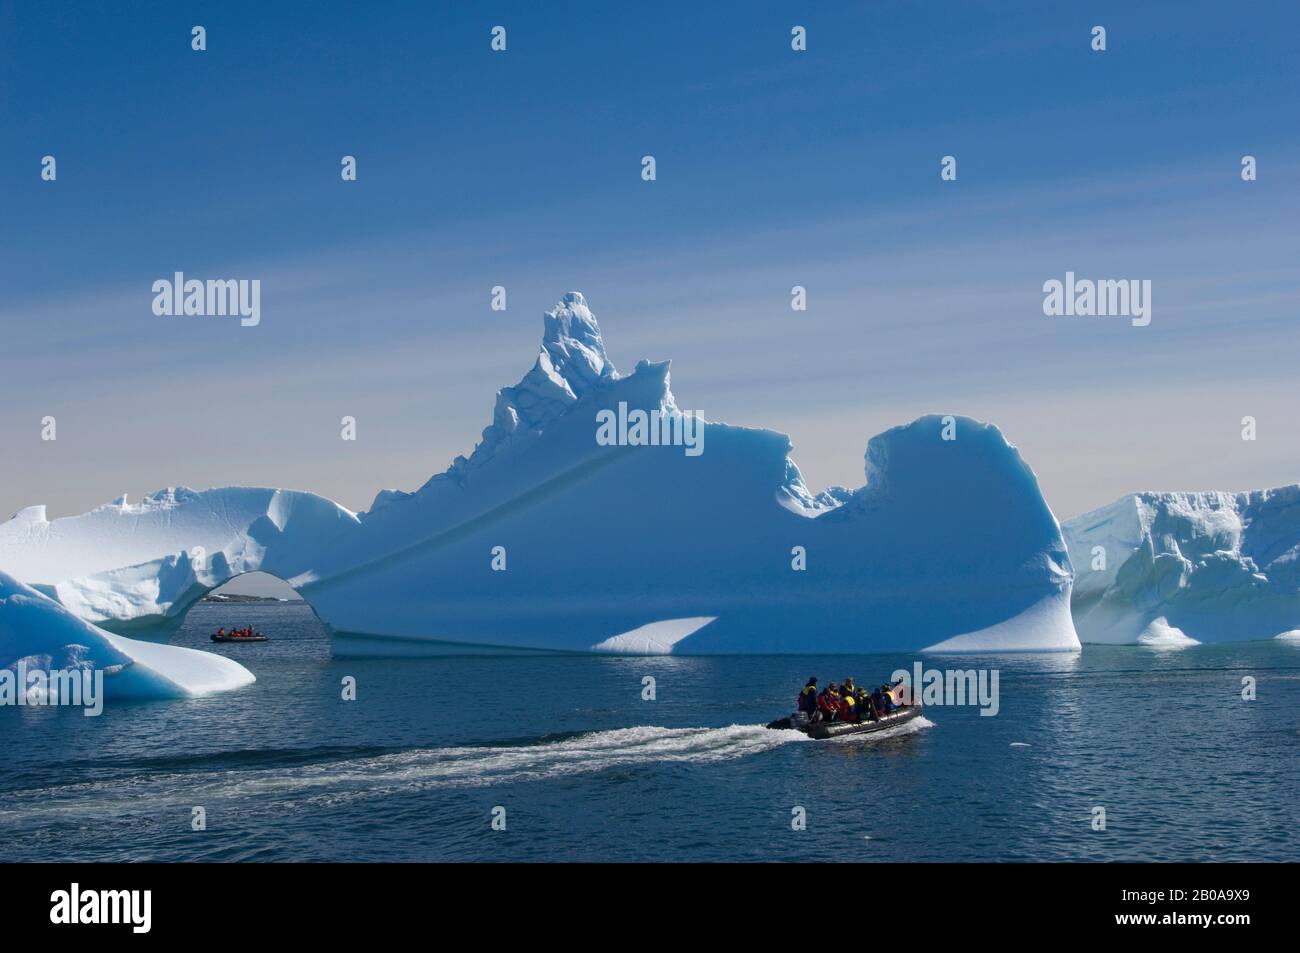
139	567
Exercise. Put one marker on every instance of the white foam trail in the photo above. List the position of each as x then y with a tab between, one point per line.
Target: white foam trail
348	778
345	779
597	751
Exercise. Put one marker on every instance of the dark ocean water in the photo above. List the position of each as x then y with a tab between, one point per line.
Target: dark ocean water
587	770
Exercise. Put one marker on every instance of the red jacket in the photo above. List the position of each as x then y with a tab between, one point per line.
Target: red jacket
848	712
828	704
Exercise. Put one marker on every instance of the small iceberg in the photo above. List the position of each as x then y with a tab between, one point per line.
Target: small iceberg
38	634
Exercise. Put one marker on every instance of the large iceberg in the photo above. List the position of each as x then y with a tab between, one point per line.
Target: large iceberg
1179	568
549	537
39	635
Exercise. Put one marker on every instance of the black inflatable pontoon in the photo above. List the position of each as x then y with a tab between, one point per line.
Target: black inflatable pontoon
835	729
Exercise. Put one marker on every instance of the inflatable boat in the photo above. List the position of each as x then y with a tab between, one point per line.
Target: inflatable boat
259	637
835	729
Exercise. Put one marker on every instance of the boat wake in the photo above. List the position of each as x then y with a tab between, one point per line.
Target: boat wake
334	779
597	751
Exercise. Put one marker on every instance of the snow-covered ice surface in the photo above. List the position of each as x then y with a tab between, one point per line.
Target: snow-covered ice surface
38	631
653	638
627	549
142	565
1182	568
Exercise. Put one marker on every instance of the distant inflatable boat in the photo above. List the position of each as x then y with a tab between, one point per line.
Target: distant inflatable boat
835	729
259	637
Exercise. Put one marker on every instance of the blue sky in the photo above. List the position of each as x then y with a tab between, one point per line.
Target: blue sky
522	169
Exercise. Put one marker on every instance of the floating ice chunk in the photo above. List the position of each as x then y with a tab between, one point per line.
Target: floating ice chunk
1209	567
44	635
1161	635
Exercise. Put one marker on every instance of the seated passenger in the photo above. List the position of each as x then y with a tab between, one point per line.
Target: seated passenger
865	710
828	702
849	699
848	707
877	704
806	702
